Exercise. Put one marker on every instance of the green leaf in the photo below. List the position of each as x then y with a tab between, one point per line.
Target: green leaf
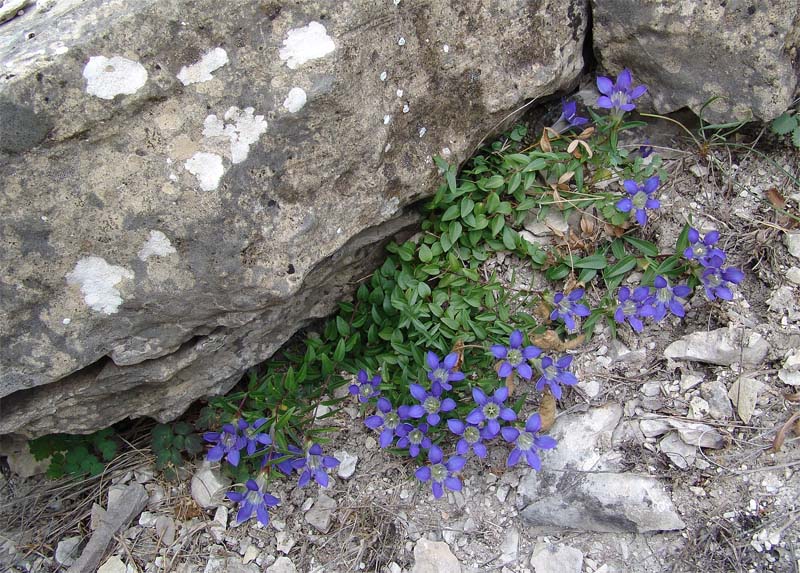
425	254
492	202
621	267
467	205
454	231
645	247
557	273
450	176
498	222
495	182
618	249
342	327
181	428
193	444
445	242
683	240
452	212
586	275
536	165
423	289
338	354
784	123
596	261
509	238
796	136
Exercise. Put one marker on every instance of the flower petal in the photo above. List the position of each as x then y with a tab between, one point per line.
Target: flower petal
456	463
450	360
545	442
433	360
534	423
624	205
499	351
456	426
423	473
605	85
515	340
479	397
418	392
509	434
525	371
513	457
452	483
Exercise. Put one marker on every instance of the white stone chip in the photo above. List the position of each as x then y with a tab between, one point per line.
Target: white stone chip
384	75
305	44
98	281
387	119
109	77
423	131
208	169
158	245
401	41
295	100
201	71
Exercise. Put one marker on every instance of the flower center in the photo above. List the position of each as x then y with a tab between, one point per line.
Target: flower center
431	405
664	295
438	472
441	375
313	462
491	411
514	357
228	440
253	497
639	199
629	308
551	372
525	441
713	280
472	435
366	390
391	420
619	98
699	250
415	436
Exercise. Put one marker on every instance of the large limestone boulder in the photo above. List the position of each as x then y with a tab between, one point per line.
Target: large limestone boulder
689	51
185	183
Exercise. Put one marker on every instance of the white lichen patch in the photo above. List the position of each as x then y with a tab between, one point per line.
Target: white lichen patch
243	129
446	48
98	281
201	71
158	245
384	75
208	169
304	44
387	119
295	100
399	93
109	77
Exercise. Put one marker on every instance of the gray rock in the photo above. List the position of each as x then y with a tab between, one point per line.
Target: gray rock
792	240
601	501
434	557
321	513
284	542
19	458
693	433
282	565
347	464
172	216
723	346
583	439
716	394
793	274
679	452
230	565
165	529
113	565
547	558
689	52
67	550
790	371
744	394
509	548
209	486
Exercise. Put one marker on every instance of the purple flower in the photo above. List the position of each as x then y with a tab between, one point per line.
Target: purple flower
515	357
619	96
441	372
228	443
490	409
527	443
717	282
282	460
632	306
432	402
314	465
668	298
471	437
702	249
440	473
388	418
555	373
569	114
413	438
254	437
366	389
253	499
640	198
567	308
645	149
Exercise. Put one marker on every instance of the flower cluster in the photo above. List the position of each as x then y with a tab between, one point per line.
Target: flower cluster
640	198
651	302
240	438
568	309
716	280
618	96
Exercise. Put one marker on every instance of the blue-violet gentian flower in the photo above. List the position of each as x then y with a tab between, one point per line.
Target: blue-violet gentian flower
254	437
228	443
567	308
471	437
366	389
253	499
441	371
640	198
569	114
413	438
388	419
314	465
668	298
702	249
527	442
515	357
619	95
440	473
432	402
554	374
717	282
632	307
490	409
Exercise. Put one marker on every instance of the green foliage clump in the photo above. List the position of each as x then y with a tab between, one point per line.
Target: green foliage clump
75	455
787	123
170	442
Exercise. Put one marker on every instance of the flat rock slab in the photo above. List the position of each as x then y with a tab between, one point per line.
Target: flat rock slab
602	501
434	557
723	347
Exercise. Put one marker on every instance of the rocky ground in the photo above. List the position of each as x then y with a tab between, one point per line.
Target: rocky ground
666	458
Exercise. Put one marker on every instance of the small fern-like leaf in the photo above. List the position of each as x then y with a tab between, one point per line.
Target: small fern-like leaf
784	123
796	137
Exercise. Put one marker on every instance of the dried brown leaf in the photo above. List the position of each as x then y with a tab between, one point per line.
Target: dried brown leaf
547	410
781	435
549	341
566	177
544	142
542	311
774	196
458	348
792	397
586	133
